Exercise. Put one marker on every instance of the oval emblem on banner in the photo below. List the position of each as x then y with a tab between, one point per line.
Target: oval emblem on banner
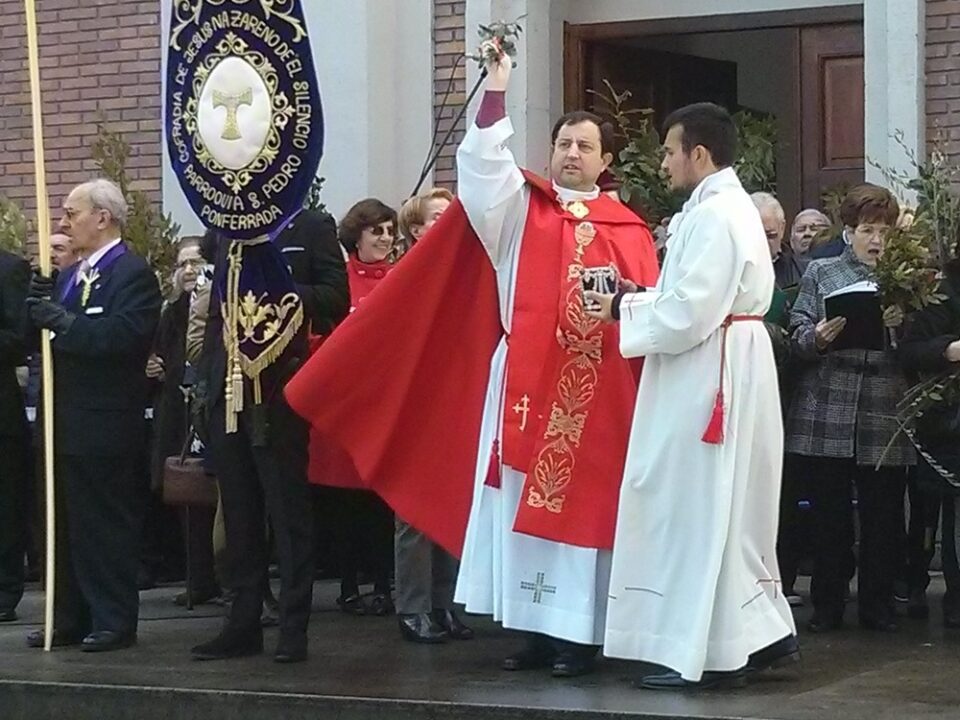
242	112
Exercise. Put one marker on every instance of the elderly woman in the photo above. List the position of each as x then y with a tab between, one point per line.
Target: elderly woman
842	418
362	522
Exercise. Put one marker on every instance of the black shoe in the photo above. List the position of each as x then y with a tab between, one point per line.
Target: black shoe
783	653
381	605
107	640
351	605
573	664
60	639
452	625
420	628
824	621
882	623
230	644
710	680
291	649
539	653
917	607
8	615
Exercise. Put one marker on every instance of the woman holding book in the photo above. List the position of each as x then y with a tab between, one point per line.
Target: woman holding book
843	415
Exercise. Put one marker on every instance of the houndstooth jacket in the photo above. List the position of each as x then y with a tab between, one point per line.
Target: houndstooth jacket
845	402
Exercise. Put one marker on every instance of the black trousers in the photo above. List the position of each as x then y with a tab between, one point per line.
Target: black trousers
100	508
14	493
260	479
950	552
921	537
880	509
363	528
793	532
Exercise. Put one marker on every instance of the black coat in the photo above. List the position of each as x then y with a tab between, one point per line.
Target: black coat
169	409
14	282
310	246
926	337
100	385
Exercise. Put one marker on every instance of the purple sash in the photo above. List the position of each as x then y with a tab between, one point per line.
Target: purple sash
71	287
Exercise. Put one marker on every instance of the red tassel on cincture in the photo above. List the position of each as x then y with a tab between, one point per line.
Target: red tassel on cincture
714	432
493	469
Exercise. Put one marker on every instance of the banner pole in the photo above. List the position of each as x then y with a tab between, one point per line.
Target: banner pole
43	233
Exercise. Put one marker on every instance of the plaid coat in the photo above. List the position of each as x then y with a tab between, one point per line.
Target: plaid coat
845	403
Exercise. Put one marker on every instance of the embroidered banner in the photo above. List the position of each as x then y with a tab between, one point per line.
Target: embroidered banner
242	112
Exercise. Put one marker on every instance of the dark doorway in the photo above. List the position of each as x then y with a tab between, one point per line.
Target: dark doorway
805	70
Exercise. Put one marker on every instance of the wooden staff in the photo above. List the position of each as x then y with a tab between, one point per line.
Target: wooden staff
43	227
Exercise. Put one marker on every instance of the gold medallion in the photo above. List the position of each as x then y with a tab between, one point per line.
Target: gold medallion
578	209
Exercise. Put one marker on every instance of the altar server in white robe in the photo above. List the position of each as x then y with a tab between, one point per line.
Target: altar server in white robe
694	584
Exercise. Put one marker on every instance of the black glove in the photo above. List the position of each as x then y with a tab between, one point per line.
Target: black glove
50	315
41	286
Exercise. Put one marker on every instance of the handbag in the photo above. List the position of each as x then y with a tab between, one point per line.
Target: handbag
186	481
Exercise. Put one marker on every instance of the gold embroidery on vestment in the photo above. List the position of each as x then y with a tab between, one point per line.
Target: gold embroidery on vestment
576	389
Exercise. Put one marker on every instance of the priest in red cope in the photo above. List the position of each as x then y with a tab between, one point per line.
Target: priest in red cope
501	429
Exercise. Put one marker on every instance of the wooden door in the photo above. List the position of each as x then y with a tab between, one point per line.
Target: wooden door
661	81
832	108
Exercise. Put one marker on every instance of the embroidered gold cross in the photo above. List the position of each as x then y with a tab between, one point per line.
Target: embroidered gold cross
231	130
523	408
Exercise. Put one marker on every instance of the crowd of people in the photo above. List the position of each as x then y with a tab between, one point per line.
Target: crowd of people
571	472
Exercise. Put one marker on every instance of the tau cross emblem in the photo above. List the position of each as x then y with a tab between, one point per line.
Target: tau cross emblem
539	588
523	408
231	130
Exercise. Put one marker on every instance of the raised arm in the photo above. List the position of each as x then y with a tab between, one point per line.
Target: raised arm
490	184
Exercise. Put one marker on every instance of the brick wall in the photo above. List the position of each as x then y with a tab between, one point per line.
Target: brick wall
99	56
448	40
943	73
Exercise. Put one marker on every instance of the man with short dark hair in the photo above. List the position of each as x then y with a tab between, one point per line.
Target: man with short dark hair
701	490
540	431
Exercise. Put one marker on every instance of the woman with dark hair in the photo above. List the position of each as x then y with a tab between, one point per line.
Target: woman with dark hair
362	522
842	419
368	233
931	345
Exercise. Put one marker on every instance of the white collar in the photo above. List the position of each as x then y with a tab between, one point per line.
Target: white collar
712	184
566	195
96	257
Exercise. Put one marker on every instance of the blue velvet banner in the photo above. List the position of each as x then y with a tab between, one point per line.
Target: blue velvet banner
242	112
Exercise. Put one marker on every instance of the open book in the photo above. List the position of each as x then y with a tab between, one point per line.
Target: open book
860	305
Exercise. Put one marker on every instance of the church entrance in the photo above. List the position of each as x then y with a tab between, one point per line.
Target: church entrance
798	76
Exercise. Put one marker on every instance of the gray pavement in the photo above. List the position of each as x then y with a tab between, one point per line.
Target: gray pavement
361	668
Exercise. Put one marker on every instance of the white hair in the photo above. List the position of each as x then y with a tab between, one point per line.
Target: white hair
766	201
810	211
103	194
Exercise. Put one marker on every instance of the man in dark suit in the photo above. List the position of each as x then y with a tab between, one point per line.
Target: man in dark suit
103	312
14	434
260	452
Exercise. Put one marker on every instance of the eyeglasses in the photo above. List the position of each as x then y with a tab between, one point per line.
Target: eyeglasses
191	262
380	230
